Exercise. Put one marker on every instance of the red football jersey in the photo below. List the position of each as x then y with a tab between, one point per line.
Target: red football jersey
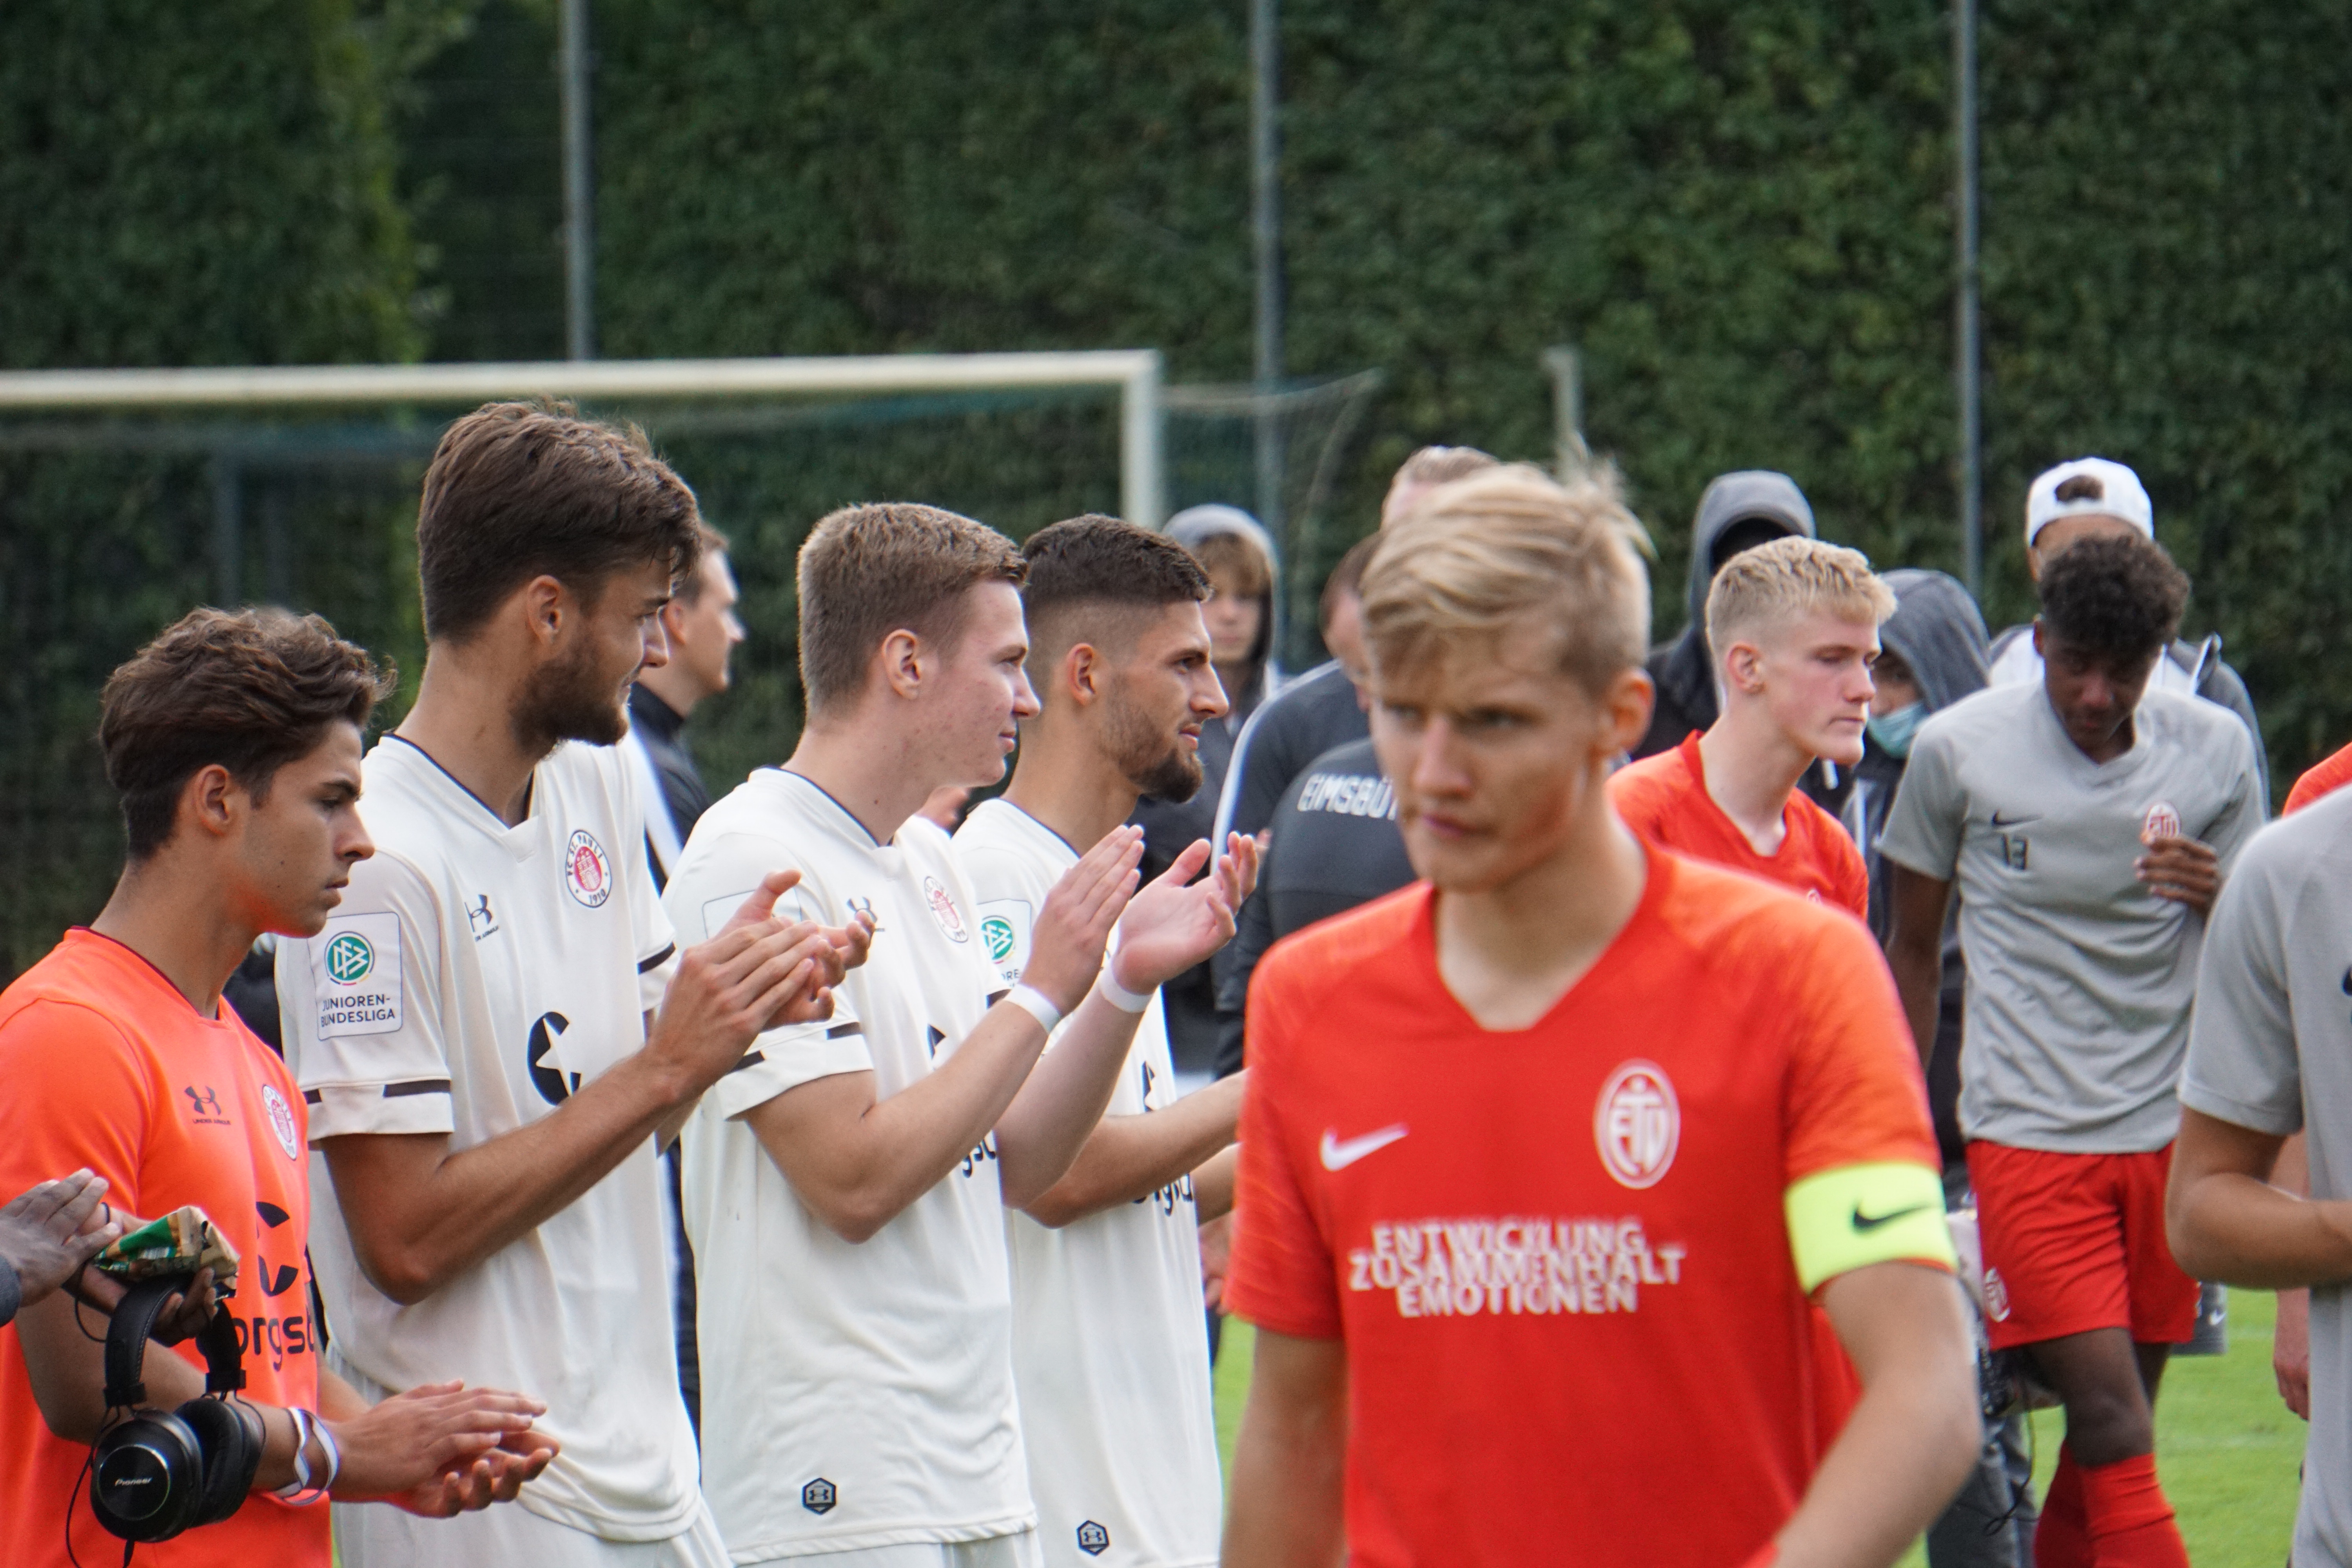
1560	1258
1663	798
2323	778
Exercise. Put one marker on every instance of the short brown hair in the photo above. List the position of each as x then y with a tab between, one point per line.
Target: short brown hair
250	691
518	490
870	571
1785	578
1096	563
1509	544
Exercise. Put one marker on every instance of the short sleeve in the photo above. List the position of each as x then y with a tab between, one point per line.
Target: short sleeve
1861	1164
649	926
1005	904
2247	808
712	879
1282	1274
1923	827
73	1092
362	1006
2242	1066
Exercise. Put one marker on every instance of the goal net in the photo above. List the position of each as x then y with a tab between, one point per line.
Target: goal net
128	497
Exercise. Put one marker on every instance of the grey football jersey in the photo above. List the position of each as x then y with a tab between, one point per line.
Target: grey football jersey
2271	1050
2079	979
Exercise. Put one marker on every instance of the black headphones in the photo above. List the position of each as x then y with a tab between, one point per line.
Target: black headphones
155	1475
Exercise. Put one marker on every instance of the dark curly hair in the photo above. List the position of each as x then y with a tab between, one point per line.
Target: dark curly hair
2116	599
251	691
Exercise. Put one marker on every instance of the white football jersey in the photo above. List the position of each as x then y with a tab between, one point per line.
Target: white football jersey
853	1395
1111	1348
473	978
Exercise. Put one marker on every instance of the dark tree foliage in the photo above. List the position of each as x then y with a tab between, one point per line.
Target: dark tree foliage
179	185
1738	212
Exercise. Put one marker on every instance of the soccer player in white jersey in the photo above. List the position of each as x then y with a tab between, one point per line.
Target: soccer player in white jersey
846	1185
1109	1348
2088	822
474	1029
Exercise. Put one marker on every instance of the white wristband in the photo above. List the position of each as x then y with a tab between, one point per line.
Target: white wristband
301	1492
1119	995
1031	1001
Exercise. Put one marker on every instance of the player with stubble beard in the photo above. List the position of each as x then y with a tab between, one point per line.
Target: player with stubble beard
1109	1353
497	1028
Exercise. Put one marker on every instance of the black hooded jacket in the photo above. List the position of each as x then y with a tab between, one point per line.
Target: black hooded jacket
1937	631
1683	669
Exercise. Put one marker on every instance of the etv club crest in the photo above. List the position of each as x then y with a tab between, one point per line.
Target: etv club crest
587	871
1637	1124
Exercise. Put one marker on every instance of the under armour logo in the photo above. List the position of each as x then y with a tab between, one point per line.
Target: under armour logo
478	918
864	907
202	1103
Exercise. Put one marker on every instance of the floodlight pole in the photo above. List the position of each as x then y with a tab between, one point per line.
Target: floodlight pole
1266	238
579	188
1967	326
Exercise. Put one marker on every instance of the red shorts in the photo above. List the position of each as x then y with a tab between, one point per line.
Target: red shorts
2075	1242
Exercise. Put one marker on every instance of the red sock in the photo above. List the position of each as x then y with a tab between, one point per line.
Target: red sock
2129	1518
2060	1538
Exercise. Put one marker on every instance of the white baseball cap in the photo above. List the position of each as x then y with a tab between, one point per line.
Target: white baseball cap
2114	491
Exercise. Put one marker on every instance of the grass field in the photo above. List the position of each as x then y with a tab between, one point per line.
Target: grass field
2227	1449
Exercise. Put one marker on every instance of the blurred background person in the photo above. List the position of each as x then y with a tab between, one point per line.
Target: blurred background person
1932	654
1737	512
700	625
1243	613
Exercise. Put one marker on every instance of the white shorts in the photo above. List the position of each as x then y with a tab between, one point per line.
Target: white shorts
508	1535
1020	1551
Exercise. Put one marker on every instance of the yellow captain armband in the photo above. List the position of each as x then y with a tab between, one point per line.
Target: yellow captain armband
1854	1216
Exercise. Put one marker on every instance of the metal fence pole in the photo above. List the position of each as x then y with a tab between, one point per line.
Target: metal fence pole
579	188
1265	235
1967	326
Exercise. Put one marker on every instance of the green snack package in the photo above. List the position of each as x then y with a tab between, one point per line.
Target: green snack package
180	1242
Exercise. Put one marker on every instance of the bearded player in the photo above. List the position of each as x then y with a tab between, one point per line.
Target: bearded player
1483	1334
1109	1353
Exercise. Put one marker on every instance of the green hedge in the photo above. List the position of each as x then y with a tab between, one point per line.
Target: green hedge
1739	212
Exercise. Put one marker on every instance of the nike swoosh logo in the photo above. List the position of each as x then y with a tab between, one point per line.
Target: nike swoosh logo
1339	1154
1863	1224
2000	821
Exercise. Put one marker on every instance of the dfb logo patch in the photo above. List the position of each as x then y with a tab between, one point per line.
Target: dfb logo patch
818	1496
1092	1539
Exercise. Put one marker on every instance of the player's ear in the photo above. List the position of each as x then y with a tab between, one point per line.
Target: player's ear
1083	673
1625	705
900	661
212	800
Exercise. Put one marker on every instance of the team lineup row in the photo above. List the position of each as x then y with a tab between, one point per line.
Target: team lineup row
1574	1169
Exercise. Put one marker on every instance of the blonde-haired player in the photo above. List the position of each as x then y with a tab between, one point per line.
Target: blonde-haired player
1544	1157
1794	624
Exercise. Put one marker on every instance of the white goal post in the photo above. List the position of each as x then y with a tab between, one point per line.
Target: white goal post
1135	373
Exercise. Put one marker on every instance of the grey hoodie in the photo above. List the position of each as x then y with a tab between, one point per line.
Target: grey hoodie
1683	670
